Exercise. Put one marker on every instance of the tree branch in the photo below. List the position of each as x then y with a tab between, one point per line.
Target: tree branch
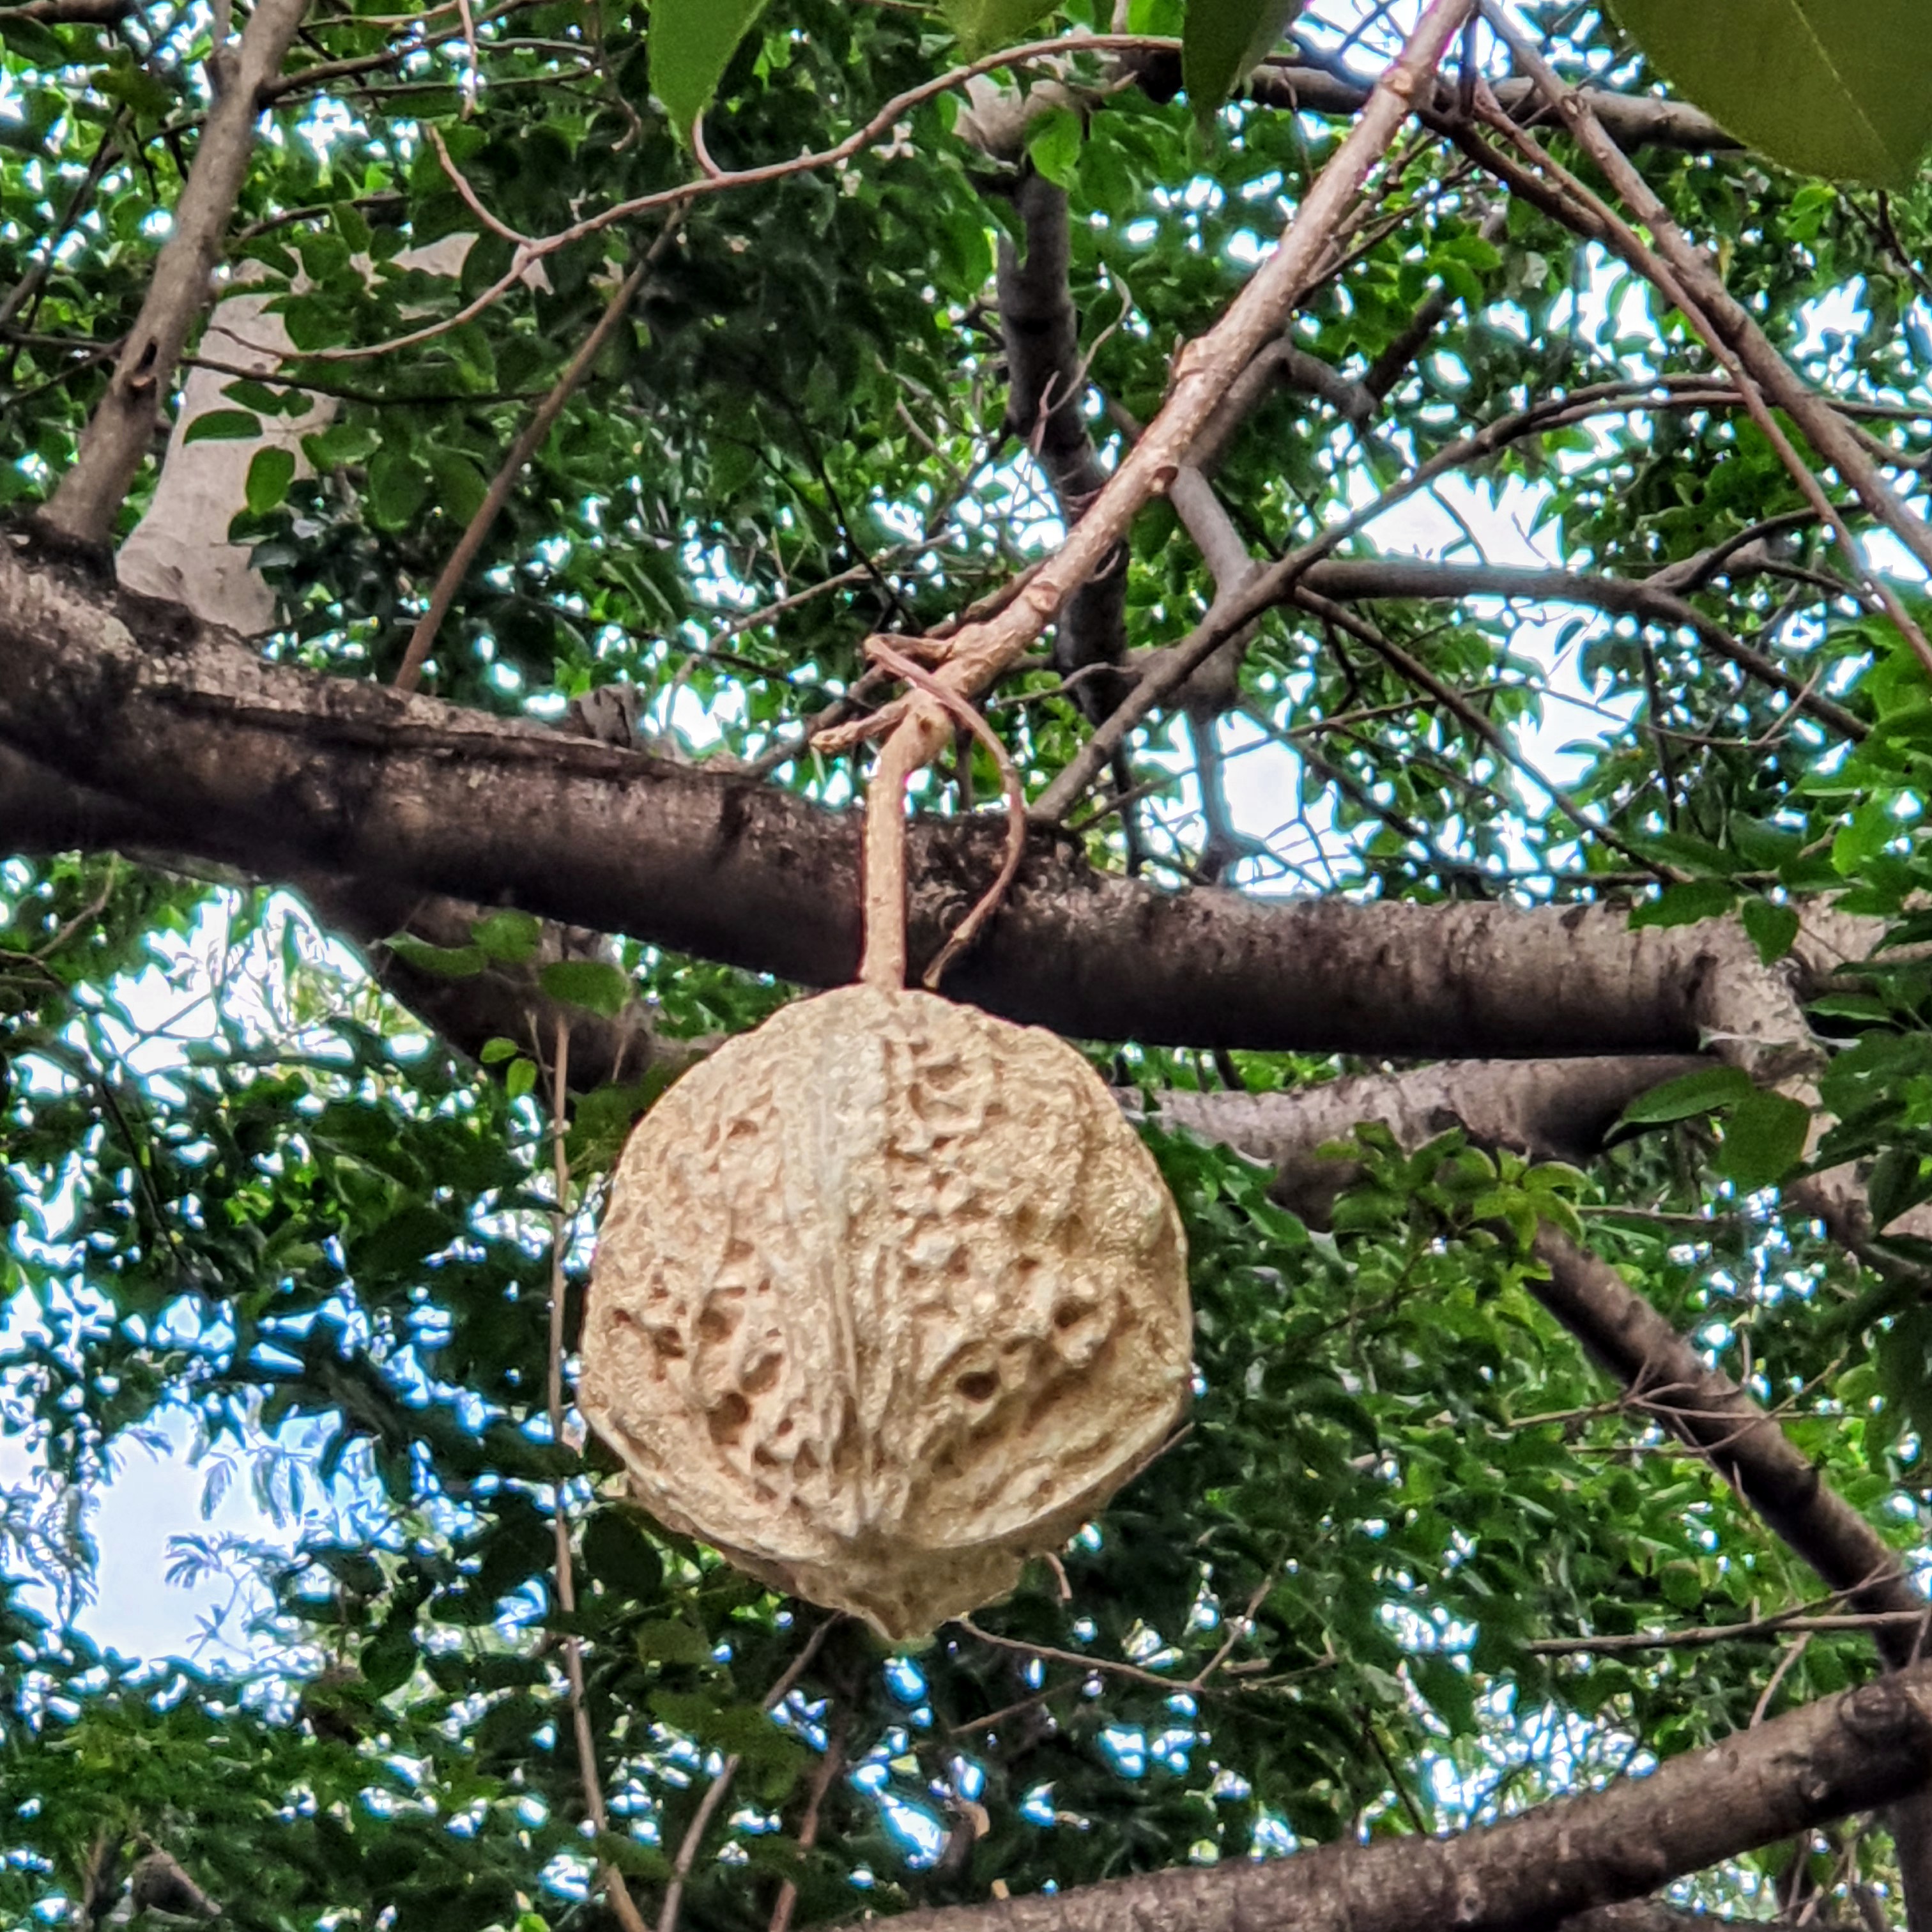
83	507
1843	1754
1046	376
1547	1109
283	771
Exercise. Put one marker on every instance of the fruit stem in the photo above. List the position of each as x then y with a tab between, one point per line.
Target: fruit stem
914	743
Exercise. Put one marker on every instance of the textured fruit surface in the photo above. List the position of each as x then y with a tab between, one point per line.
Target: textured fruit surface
888	1297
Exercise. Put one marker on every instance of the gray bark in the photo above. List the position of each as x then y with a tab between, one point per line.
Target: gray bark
150	721
1843	1754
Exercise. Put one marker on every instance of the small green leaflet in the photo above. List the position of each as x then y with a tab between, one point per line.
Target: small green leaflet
509	936
1694	1093
984	24
397	489
1772	928
446	962
222	426
593	983
1054	144
1764	1140
1686	903
1840	88
271	471
1221	43
691	43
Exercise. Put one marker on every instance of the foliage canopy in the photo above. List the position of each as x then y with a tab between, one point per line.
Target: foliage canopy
299	1205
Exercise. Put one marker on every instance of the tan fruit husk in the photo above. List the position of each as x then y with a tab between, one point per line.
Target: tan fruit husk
888	1297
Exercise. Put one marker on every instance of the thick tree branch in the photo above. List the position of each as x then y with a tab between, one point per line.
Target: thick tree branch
1663	1375
1547	1109
83	508
40	812
282	771
1843	1754
74	13
1631	120
1047	386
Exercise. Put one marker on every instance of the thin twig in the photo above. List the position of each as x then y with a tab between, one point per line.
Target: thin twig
968	929
1048	1654
823	1778
707	1805
1698	1636
615	1890
422	639
1777	1677
1681	270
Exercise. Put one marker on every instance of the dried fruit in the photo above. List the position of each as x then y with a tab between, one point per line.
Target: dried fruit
888	1297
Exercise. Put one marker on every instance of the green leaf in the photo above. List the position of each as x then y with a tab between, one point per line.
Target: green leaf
1898	1181
672	1643
1772	928
521	1078
1764	1140
1841	89
447	962
397	489
389	1657
1053	143
1222	42
1681	1586
618	1554
223	426
1686	903
460	485
247	394
271	471
691	43
1694	1093
593	983
496	1051
30	39
509	936
984	24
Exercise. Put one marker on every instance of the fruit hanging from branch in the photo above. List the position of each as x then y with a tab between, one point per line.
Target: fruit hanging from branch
888	1297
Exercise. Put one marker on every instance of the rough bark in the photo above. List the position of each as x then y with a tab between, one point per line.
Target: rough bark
283	771
1046	376
1709	1411
1843	1754
1631	120
1547	1109
83	508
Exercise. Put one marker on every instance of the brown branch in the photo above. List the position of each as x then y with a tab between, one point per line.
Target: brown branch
1046	376
1841	1755
1409	667
1164	673
1202	371
1632	120
148	731
1645	599
116	441
1546	1109
825	1774
73	13
1699	1636
1713	1415
714	1794
1693	283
